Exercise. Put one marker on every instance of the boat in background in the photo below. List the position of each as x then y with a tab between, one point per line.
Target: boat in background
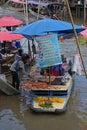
35	14
41	10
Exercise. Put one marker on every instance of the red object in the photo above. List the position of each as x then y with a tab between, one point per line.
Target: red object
84	33
55	73
8	36
8	21
18	1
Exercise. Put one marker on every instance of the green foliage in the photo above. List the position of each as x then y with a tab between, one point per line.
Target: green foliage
82	40
47	104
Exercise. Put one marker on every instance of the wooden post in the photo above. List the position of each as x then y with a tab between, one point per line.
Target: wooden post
24	8
38	11
84	12
77	41
26	12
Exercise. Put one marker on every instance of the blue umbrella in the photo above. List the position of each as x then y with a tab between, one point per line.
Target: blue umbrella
47	25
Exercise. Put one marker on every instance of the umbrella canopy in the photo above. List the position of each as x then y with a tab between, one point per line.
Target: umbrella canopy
84	33
18	1
8	21
47	25
8	36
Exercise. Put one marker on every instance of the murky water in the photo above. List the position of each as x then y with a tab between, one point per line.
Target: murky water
15	115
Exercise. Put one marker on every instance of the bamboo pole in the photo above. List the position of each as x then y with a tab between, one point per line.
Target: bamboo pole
24	8
77	41
26	11
38	10
84	13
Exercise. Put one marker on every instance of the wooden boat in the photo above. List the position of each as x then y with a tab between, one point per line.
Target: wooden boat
49	98
35	14
56	102
6	88
42	10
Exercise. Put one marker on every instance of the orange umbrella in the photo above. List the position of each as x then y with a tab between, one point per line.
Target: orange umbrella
84	33
8	36
8	21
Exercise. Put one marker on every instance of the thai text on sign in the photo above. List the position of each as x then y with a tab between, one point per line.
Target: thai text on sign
48	51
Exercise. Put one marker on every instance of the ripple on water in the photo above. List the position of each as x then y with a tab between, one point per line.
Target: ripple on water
79	96
8	118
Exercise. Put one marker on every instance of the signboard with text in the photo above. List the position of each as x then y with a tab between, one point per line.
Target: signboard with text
48	51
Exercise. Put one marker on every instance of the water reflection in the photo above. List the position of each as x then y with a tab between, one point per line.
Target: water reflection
23	105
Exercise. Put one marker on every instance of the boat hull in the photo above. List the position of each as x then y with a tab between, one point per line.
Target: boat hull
6	88
57	107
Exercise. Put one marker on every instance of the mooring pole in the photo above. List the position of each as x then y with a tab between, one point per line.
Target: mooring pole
29	50
77	41
85	11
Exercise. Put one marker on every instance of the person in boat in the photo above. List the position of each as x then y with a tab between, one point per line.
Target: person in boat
16	67
77	65
70	67
18	44
20	52
14	45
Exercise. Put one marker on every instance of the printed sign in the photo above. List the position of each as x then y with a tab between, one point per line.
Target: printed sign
48	51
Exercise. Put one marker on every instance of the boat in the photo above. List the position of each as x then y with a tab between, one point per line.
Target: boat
54	99
44	97
35	14
52	9
6	87
41	9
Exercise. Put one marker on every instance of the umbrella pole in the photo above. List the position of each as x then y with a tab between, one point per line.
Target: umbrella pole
49	76
84	12
77	41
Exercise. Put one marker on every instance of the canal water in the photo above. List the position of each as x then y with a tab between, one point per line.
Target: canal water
15	114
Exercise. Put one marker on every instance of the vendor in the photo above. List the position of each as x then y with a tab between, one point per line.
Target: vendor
14	45
15	69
